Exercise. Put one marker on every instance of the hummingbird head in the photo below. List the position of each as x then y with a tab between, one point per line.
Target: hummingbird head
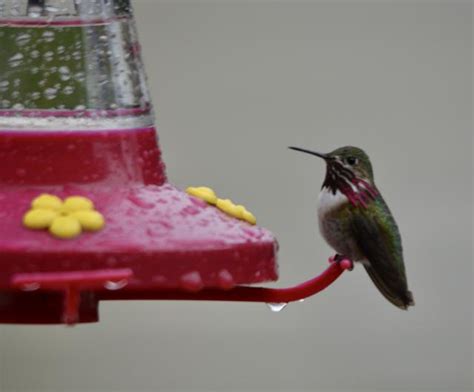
348	170
353	159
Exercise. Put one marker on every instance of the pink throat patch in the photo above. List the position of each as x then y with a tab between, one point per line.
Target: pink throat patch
360	193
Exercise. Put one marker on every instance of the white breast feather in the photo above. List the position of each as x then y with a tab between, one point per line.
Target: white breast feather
328	201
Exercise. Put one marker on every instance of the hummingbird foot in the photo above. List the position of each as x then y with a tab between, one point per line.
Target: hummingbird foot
344	261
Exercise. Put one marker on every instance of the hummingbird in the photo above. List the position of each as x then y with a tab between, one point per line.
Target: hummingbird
357	223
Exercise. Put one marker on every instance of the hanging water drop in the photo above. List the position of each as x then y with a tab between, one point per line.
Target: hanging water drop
110	285
30	286
276	307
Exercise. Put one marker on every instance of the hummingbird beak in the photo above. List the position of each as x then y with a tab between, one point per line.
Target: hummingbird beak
318	154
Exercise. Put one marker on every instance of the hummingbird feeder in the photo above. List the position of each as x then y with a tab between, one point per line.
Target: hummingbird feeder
86	209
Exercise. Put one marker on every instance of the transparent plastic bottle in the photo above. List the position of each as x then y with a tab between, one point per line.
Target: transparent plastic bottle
69	66
77	59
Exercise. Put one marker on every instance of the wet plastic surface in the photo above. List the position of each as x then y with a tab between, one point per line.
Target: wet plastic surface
166	238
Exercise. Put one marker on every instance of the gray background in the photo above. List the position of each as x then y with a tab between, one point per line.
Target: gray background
233	85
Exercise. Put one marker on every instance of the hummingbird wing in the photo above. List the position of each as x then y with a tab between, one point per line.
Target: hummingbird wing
377	236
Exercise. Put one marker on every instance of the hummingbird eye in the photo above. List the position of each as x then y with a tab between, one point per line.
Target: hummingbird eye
351	161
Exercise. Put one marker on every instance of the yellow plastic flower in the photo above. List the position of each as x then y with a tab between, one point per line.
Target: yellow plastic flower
249	217
225	205
237	211
203	193
64	219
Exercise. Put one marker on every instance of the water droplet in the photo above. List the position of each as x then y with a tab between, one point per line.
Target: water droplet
34	11
15	60
64	73
48	56
18	106
80	107
276	307
4	85
192	281
51	8
23	39
225	279
35	95
80	76
76	55
111	285
50	93
30	286
34	54
68	90
48	36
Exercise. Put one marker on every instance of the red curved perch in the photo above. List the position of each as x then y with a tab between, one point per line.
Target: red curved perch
239	293
98	282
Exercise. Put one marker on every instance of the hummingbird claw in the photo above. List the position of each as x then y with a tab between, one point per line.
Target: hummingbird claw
344	261
346	264
332	259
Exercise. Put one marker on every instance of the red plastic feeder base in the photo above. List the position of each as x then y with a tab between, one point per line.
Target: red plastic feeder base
166	239
158	242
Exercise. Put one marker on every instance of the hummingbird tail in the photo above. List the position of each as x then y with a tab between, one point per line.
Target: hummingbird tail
397	294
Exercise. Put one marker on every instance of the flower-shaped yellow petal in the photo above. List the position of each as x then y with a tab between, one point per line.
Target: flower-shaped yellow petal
65	227
225	205
47	202
230	208
39	218
204	193
246	215
89	220
249	217
77	203
63	219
